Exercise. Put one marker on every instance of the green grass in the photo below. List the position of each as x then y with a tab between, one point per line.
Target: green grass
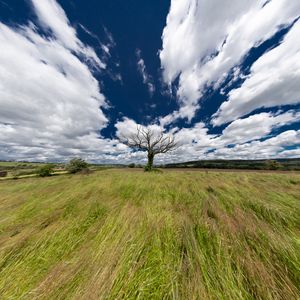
20	165
123	234
19	169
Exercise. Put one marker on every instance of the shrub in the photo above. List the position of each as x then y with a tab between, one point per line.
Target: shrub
131	165
273	165
15	175
147	168
3	173
45	170
76	165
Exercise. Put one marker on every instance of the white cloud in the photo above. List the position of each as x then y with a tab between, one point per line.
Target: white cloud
204	40
294	153
242	135
51	16
147	79
273	147
197	140
50	102
274	80
127	127
256	127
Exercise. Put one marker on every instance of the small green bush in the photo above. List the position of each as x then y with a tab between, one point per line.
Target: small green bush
3	173
45	170
76	165
15	175
131	165
273	165
147	168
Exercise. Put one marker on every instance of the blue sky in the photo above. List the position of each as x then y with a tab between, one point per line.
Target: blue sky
222	76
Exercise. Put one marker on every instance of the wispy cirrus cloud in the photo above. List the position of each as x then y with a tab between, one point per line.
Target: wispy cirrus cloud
147	79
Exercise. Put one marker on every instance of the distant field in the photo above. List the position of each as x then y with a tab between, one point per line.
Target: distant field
19	169
30	169
8	165
121	234
286	164
14	163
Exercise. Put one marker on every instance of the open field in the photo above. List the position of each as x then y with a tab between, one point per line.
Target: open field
19	169
120	234
16	170
287	164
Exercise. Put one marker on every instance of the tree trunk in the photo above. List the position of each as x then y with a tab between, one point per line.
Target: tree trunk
150	161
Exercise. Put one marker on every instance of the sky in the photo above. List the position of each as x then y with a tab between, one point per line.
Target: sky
222	76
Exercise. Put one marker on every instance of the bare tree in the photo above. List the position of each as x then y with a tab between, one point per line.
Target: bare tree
152	142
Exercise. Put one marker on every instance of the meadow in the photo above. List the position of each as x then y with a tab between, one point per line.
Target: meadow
126	234
19	169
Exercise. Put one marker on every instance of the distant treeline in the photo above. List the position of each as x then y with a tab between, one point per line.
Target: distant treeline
274	164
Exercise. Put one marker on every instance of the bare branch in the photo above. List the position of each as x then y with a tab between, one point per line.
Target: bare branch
146	140
136	141
166	144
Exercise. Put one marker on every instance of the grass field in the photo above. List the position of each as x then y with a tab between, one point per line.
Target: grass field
17	170
118	234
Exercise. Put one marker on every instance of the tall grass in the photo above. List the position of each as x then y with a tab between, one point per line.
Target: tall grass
119	234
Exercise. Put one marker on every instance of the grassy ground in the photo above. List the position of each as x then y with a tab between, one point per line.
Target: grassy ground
10	176
117	234
19	169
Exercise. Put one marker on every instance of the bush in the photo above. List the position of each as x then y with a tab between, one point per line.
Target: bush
76	165
15	175
131	165
147	168
45	170
3	173
273	165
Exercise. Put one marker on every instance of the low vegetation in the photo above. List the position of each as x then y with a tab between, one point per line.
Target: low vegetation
18	170
45	170
292	164
76	165
126	234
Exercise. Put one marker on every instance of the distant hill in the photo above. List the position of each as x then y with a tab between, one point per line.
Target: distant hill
262	164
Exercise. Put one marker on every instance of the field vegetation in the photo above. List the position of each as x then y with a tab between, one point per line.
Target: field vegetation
125	234
288	164
18	170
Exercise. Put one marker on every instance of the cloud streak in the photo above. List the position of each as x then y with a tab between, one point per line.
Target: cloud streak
50	101
274	80
202	52
51	16
147	79
52	105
